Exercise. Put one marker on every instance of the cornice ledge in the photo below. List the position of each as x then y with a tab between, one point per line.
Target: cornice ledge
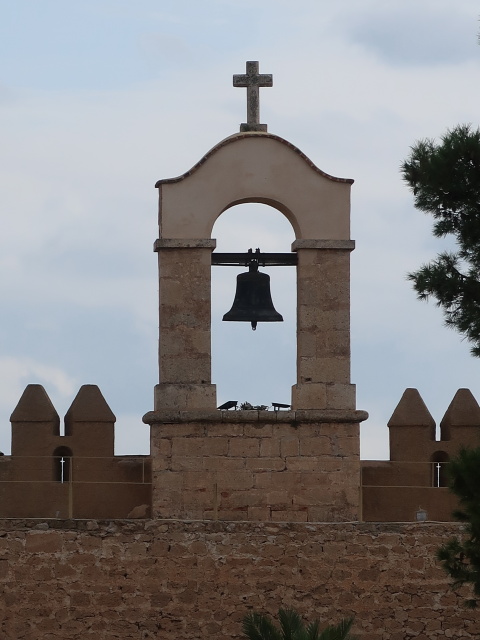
348	245
300	416
184	243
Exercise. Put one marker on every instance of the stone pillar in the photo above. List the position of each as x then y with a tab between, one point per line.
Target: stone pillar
185	342
323	325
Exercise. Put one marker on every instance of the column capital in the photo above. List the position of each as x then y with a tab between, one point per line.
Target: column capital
184	243
348	245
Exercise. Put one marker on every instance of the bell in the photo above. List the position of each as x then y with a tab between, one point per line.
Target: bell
253	300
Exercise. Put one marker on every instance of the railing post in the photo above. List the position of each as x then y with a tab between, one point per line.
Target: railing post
70	491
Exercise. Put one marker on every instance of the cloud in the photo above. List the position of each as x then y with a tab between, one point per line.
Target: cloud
409	33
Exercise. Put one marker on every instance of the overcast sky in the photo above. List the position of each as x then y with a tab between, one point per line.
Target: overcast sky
101	98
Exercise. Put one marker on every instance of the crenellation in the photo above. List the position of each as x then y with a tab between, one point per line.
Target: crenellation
462	414
34	423
415	477
75	475
35	406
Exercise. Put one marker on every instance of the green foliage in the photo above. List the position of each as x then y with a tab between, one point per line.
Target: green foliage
461	557
445	180
257	626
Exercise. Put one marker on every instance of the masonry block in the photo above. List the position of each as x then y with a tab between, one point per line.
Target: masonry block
289	446
340	396
258	430
313	466
266	464
224	463
270	447
244	447
309	395
321	445
185	396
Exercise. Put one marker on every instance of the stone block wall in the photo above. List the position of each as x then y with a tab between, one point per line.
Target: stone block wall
256	465
164	579
184	354
323	326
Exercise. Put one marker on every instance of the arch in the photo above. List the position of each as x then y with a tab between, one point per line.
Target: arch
259	168
439	461
271	202
253	222
62	464
255	167
272	346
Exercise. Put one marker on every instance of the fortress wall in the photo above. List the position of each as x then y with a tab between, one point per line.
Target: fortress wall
167	579
387	504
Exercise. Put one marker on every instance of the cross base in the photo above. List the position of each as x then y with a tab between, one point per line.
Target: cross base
245	126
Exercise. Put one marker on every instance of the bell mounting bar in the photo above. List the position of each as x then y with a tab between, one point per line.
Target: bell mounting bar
262	259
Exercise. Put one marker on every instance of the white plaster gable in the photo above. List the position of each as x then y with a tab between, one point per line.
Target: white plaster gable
255	167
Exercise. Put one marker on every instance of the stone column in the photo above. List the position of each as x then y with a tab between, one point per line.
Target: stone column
185	326
323	325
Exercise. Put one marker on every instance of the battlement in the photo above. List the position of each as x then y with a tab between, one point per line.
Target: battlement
72	475
231	465
415	477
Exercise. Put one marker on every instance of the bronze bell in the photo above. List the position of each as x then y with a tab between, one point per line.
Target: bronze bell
253	300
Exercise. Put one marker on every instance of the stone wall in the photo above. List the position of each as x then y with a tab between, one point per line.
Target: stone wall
295	466
171	579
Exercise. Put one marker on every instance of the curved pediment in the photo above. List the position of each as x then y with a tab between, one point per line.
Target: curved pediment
255	167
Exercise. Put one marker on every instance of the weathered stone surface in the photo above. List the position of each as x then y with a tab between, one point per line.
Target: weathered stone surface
228	471
163	579
184	243
253	80
258	423
323	244
184	343
176	397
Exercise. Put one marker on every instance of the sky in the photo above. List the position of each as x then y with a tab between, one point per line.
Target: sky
99	99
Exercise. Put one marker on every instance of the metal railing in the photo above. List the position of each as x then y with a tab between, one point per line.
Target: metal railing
63	486
393	473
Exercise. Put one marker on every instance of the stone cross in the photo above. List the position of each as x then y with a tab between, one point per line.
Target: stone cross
253	80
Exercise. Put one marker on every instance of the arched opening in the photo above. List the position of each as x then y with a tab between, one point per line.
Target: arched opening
259	366
439	469
62	464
